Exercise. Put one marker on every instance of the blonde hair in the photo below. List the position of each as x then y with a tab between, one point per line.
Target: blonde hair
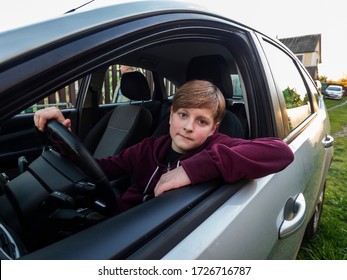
200	94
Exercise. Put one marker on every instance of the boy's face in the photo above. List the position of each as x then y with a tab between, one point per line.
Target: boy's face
189	128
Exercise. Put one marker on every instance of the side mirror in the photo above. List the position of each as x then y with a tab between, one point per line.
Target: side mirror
318	85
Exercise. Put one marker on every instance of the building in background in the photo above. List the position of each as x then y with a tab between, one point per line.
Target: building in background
308	50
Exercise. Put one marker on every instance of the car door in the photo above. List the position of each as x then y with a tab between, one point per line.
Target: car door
306	128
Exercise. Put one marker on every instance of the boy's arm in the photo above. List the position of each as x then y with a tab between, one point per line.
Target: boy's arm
173	179
248	159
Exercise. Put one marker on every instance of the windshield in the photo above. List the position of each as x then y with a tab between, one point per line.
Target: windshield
334	88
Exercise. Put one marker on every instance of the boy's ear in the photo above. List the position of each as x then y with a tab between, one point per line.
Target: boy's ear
215	128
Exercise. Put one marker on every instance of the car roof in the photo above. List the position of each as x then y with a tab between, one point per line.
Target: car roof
15	42
21	45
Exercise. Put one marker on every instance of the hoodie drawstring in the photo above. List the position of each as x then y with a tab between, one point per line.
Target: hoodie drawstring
150	180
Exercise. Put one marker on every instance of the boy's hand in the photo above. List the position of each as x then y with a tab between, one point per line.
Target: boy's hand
42	116
173	179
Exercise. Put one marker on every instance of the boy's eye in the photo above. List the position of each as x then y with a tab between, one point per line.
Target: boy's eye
203	122
182	115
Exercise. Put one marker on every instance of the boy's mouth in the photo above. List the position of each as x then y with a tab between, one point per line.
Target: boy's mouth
185	137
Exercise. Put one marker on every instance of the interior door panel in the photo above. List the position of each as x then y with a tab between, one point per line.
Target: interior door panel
18	138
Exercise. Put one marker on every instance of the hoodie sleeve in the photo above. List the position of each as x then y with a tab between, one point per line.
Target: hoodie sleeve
238	158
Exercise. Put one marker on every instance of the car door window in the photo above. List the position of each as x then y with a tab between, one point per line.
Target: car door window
291	84
237	88
64	98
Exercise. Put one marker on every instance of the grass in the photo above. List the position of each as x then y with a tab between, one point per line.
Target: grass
330	243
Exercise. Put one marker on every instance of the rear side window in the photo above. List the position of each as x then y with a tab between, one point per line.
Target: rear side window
65	98
111	91
291	84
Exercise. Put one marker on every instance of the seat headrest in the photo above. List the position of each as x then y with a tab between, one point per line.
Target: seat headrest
213	68
134	86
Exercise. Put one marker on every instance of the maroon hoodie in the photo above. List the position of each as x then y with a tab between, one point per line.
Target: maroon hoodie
220	156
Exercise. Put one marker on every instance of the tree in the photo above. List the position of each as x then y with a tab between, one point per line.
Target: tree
323	79
292	98
343	81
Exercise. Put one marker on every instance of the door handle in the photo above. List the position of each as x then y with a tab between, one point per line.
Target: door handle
293	221
328	141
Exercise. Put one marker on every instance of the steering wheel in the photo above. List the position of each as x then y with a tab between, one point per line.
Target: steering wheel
87	163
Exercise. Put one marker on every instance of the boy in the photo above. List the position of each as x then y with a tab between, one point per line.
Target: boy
192	153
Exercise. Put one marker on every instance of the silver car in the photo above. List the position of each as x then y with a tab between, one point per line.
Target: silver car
50	208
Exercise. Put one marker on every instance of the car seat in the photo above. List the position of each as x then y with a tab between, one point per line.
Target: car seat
125	125
213	68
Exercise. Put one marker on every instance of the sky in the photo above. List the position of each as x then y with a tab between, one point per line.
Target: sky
278	19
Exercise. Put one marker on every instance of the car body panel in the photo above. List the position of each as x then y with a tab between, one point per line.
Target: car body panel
244	220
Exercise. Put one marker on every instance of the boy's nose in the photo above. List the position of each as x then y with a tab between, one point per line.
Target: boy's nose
189	125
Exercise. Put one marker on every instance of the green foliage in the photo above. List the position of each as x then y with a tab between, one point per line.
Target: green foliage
329	103
292	98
